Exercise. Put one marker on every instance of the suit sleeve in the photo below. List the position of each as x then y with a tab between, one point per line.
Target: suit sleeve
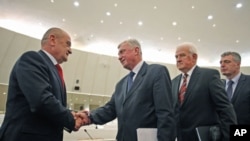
105	113
35	83
163	100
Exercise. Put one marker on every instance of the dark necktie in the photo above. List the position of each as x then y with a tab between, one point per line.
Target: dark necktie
60	72
130	80
183	88
230	89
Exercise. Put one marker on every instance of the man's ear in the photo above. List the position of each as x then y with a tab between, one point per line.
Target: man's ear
137	50
52	40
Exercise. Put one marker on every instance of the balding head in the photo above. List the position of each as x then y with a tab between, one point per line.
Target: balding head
57	42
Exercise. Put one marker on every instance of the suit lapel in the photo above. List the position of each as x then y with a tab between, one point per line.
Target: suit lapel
238	88
176	87
55	73
138	80
192	82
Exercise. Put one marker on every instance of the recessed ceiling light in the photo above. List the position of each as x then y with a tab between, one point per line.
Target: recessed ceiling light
162	38
52	1
192	7
115	4
199	40
155	7
101	21
76	4
174	23
179	38
239	5
209	17
140	23
108	13
120	22
63	20
214	25
237	41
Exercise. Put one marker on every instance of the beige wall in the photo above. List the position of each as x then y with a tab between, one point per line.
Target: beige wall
97	74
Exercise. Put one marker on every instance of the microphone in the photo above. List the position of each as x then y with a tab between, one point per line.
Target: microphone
85	130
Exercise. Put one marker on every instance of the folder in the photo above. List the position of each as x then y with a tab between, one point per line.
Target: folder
147	134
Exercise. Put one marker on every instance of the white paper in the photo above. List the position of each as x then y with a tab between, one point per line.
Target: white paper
147	134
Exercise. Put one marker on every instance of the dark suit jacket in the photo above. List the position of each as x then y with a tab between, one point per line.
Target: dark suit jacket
148	104
241	100
36	102
205	103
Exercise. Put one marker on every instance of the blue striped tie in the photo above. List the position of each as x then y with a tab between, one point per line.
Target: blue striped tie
230	89
130	80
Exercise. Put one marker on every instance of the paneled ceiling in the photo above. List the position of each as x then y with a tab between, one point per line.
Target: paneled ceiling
99	26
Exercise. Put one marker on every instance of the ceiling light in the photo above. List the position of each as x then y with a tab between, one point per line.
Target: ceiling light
155	7
115	4
102	21
192	7
63	20
214	25
199	40
140	23
174	23
52	1
237	41
108	13
76	4
209	17
239	5
179	38
120	23
162	38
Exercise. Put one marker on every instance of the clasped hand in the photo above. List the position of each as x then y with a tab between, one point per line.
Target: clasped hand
81	119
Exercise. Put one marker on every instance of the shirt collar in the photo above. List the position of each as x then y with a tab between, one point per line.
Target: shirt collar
50	57
138	67
235	79
190	71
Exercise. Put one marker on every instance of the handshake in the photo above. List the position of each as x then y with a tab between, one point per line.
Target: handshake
81	119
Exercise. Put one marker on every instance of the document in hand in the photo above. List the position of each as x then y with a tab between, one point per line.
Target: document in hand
147	134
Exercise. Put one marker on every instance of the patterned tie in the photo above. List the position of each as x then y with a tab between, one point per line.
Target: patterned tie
183	88
130	80
230	89
60	72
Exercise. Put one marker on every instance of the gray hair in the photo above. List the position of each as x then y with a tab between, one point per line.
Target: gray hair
191	47
132	43
236	56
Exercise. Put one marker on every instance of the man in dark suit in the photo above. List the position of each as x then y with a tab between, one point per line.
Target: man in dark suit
147	104
36	102
240	97
204	101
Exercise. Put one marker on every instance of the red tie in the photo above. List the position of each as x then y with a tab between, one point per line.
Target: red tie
60	72
183	88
